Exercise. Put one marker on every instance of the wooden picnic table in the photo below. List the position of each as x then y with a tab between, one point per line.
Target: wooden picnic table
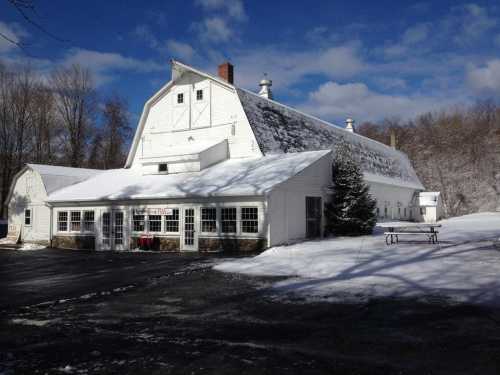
397	229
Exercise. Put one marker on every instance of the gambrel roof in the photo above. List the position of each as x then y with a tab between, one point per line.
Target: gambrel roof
281	129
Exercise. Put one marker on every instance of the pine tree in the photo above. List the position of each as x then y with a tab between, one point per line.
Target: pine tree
351	209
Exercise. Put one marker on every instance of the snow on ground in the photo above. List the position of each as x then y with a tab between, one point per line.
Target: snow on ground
465	266
31	246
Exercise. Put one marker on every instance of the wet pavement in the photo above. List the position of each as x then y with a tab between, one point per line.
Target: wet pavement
105	313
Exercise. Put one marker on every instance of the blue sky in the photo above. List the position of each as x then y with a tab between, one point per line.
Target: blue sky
362	59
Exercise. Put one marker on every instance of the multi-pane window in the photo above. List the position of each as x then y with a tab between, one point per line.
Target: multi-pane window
228	220
385	211
154	223
76	221
88	221
27	217
199	94
180	98
62	221
249	220
378	211
172	221
209	220
138	223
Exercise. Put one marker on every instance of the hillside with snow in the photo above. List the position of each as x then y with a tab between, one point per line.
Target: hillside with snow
463	267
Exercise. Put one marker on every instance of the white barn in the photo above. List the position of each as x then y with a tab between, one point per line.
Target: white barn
211	167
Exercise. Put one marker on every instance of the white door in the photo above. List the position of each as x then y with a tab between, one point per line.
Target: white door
189	236
113	230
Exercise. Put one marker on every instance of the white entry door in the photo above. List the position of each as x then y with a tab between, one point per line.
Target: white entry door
189	231
113	230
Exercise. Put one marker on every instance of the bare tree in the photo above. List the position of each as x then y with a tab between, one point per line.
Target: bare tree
76	106
115	132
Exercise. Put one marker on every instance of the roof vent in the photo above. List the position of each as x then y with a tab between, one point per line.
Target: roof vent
349	125
265	87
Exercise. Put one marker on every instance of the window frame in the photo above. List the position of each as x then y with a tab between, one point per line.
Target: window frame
176	219
156	221
222	220
160	165
180	98
256	220
205	220
143	220
85	221
29	217
59	221
199	98
71	221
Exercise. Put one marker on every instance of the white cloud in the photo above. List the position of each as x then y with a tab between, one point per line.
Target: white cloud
234	8
287	68
144	33
180	50
485	78
411	36
105	64
468	22
339	101
10	35
416	34
214	29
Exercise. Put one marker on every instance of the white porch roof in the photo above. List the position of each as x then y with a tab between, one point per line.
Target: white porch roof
233	177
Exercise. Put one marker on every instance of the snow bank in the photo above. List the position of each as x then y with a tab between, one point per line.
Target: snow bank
465	265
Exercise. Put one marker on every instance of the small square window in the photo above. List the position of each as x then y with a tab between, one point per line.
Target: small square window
163	168
27	217
180	98
199	94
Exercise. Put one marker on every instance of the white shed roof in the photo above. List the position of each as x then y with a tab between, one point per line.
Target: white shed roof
233	177
55	177
428	198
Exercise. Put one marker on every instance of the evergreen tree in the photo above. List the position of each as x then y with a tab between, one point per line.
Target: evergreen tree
350	210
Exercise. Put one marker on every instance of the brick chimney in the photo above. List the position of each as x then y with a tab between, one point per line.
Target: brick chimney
226	72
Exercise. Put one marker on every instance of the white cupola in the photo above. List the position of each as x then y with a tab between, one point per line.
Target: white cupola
265	87
349	125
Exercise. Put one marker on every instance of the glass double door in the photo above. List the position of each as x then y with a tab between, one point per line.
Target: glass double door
113	230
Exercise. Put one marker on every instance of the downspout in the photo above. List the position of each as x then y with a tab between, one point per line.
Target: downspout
51	221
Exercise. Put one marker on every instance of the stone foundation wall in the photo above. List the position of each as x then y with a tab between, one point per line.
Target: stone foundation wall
231	245
160	243
74	242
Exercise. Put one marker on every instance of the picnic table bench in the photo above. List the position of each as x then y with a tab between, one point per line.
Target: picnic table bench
395	230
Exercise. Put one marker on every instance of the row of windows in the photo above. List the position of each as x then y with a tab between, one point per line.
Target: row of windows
180	97
228	221
84	221
76	221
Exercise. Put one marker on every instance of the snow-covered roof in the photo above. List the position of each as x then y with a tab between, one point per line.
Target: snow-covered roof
233	177
281	129
56	177
428	198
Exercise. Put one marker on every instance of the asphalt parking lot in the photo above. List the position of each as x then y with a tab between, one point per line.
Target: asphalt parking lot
131	313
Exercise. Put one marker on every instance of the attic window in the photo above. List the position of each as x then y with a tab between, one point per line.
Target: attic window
180	98
199	94
163	168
